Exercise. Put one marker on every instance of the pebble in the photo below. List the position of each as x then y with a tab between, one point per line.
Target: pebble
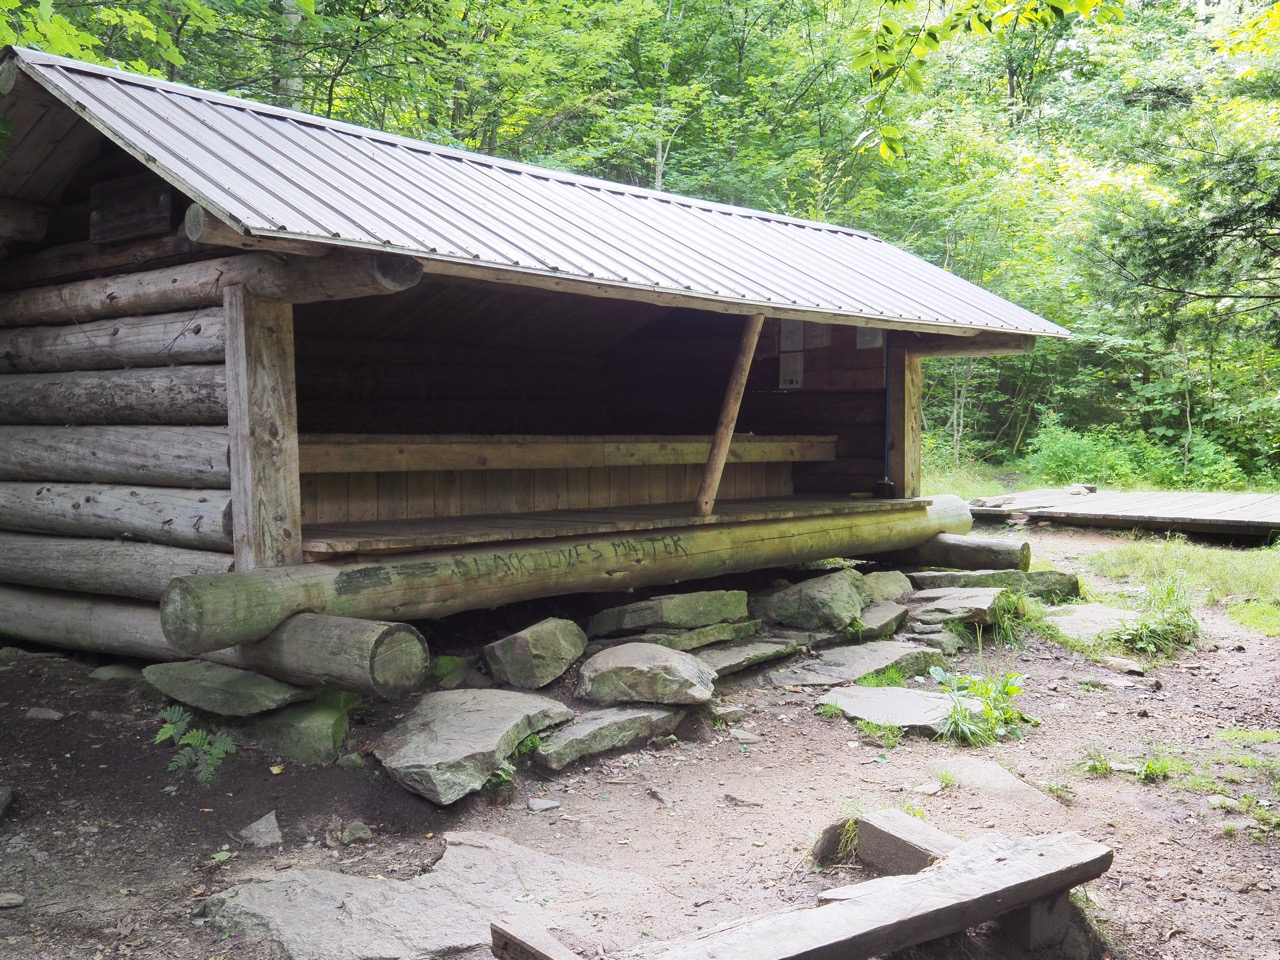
43	713
543	804
355	832
10	900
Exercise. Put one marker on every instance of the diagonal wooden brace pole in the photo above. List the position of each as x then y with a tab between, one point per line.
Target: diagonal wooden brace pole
728	417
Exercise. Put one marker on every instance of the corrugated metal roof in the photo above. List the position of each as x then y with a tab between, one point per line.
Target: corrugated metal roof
275	172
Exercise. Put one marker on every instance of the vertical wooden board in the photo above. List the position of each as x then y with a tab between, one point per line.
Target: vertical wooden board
473	493
392	496
262	410
551	489
578	489
420	495
362	496
728	488
779	480
309	495
522	490
331	497
448	494
619	487
905	422
499	491
599	487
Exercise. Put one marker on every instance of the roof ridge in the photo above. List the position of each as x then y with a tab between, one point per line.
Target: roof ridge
345	127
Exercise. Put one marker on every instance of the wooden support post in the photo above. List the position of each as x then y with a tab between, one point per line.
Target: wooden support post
706	501
266	500
904	421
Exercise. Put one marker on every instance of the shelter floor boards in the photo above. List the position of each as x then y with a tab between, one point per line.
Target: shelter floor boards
325	540
1243	514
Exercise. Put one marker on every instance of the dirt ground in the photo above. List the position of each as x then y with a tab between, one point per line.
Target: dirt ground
113	855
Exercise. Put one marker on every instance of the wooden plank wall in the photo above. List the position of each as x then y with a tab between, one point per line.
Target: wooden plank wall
339	497
670	378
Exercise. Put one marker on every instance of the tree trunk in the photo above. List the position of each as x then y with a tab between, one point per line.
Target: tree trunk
156	341
385	659
961	553
151	456
147	396
212	612
196	519
116	567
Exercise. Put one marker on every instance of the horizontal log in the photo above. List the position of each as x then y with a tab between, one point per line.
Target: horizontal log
369	657
201	226
22	220
117	567
151	456
983	345
197	519
211	612
194	336
145	396
83	260
194	285
355	453
963	553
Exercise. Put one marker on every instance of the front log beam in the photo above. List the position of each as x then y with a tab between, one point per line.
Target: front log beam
195	285
212	612
369	657
190	395
120	568
156	341
196	519
151	456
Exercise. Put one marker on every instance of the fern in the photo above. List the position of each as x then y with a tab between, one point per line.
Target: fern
199	751
176	720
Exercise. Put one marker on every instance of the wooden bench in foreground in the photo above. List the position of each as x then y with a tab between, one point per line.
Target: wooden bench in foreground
1025	880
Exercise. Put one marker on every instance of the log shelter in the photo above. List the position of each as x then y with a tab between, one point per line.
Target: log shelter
258	366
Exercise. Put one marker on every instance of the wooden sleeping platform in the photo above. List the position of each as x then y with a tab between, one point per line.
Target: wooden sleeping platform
329	540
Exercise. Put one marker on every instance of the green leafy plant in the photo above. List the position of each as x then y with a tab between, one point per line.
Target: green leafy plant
527	747
501	784
882	735
1096	763
199	751
1166	623
829	711
888	677
998	716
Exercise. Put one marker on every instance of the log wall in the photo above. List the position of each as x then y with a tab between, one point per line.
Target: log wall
114	447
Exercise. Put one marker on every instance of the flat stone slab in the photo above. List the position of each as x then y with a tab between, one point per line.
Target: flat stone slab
896	706
116	671
947	604
848	664
310	914
536	655
685	639
829	603
1085	622
226	691
990	779
1123	665
881	619
1052	585
734	657
645	673
603	730
453	740
682	611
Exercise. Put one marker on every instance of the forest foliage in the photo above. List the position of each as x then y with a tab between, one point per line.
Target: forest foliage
1114	167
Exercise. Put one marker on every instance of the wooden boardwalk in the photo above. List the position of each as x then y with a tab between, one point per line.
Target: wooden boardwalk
1226	514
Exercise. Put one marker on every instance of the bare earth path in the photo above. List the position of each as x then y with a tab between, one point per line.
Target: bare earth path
113	861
